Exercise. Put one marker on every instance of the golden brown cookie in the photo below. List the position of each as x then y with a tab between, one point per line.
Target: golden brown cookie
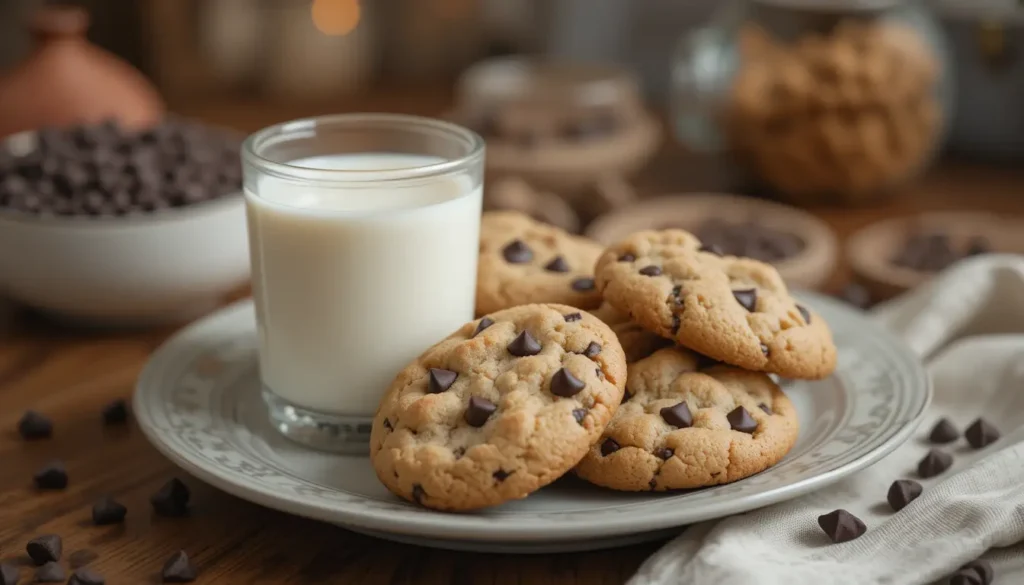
523	261
502	407
735	310
685	427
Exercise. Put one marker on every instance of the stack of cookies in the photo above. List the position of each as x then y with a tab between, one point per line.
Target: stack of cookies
643	367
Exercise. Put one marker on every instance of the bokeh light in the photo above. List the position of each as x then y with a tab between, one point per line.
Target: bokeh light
335	17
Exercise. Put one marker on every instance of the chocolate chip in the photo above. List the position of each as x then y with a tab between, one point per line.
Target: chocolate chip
418	493
664	453
765	350
564	384
982	568
571	317
676	324
747	298
106	510
804	313
458	453
712	249
841	526
579	414
34	425
651	270
178	569
171	500
609	446
981	434
45	548
677	293
902	492
51	477
966	577
9	574
115	412
517	252
943	432
767	410
678	415
484	324
934	463
85	576
440	380
583	284
524	345
627	258
50	572
479	410
740	420
557	265
653	484
501	475
593	349
387	425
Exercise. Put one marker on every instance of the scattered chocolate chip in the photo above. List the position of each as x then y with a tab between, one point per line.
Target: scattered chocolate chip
172	499
583	284
664	453
179	569
484	324
712	249
86	576
651	270
50	572
841	526
981	434
557	265
45	548
387	425
106	510
653	484
9	574
740	420
934	463
767	410
765	350
627	258
678	415
593	349
418	494
676	323
564	384
517	252
51	477
572	317
440	380
902	492
966	577
115	413
524	345
983	569
943	432
609	446
34	425
747	298
579	414
501	475
804	313
479	410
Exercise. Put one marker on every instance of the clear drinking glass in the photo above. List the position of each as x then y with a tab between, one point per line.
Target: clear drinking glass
363	234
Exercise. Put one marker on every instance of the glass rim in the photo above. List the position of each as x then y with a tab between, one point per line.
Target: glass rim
308	126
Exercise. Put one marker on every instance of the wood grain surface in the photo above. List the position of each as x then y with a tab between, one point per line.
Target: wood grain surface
70	374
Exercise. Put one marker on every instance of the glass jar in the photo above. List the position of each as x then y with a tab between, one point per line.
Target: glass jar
819	101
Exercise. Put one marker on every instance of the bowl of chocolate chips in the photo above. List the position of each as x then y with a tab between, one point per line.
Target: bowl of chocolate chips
802	247
114	226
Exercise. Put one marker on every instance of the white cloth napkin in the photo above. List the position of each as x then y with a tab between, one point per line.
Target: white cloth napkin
968	325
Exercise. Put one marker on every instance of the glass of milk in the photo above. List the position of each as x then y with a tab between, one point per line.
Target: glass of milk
363	233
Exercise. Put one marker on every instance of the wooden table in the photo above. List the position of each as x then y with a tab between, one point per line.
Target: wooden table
70	375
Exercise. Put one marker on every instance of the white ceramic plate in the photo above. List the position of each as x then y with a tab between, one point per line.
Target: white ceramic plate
198	402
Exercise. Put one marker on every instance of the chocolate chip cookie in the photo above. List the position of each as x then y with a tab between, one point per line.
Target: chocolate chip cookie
524	261
683	426
502	407
732	309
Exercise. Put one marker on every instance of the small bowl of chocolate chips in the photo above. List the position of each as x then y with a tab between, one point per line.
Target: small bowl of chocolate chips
802	247
115	226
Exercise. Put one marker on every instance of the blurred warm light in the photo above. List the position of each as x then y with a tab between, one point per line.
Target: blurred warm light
335	17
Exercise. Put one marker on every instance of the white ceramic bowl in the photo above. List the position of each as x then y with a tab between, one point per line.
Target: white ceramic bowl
161	267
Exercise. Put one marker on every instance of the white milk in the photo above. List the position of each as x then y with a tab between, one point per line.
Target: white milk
351	284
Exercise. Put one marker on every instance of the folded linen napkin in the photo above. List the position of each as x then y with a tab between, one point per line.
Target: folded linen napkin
968	325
